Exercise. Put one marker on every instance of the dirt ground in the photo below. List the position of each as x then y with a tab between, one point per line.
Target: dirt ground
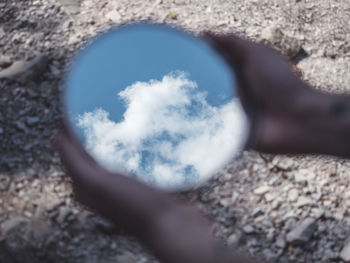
277	208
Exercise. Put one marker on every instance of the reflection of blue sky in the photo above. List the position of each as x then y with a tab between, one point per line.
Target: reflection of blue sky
142	53
116	61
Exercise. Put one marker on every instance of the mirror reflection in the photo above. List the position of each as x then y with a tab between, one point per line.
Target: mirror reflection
156	103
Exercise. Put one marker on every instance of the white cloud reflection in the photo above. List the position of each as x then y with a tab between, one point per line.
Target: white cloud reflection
169	134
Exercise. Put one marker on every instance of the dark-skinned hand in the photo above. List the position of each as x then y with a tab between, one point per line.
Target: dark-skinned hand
287	116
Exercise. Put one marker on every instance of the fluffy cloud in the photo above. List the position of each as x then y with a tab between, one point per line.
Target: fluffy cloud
169	135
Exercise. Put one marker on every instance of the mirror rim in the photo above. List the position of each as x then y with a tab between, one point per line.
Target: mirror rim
82	50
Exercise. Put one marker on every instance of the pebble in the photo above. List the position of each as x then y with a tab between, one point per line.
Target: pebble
113	15
225	202
23	70
72	7
287	45
248	229
281	243
235	239
5	61
32	120
293	195
317	212
304	175
12	223
262	190
269	255
127	258
5	181
269	197
304	201
2	32
285	164
302	233
345	252
103	224
64	212
172	15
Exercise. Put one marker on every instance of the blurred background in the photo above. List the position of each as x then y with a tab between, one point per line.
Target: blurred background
279	208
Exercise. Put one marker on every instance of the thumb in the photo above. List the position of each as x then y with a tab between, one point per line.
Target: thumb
79	165
234	49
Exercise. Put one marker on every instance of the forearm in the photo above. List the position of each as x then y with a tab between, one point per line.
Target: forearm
326	124
176	232
319	123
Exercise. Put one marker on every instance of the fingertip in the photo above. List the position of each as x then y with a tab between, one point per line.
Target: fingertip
60	140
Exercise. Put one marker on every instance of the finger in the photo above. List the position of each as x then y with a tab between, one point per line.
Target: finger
234	49
76	162
236	52
66	133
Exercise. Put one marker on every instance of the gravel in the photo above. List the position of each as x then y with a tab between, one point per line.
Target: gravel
264	205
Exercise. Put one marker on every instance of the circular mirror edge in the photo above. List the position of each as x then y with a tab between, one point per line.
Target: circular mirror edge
165	26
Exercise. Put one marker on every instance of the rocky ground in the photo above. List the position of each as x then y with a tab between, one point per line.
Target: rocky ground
277	208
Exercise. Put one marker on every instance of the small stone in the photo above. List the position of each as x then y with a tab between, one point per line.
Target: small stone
293	195
28	214
339	216
257	212
12	223
1	130
32	120
113	15
281	243
269	197
23	70
302	233
64	212
2	32
5	61
332	170
270	234
304	175
67	24
225	202
172	15
269	255
21	126
70	6
330	255
287	45
4	182
275	204
262	190
103	224
285	164
127	258
345	48
113	246
73	39
317	212
248	229
345	252
304	201
50	202
234	239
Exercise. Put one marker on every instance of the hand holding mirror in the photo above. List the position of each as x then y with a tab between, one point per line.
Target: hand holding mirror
157	104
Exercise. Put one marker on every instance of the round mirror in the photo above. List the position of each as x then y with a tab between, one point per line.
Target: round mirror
157	104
